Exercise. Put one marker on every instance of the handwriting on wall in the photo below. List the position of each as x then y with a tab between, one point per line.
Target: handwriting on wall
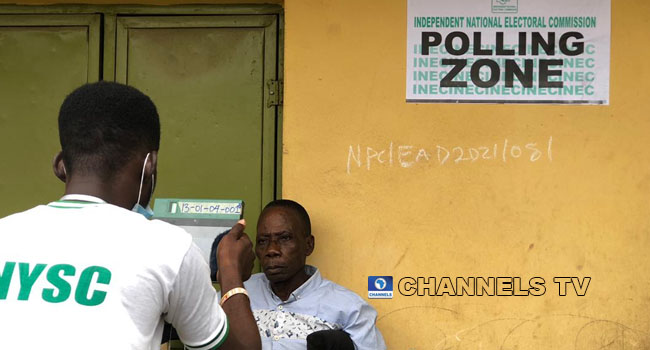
408	156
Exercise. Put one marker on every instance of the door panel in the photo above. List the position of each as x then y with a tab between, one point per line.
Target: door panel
207	75
42	59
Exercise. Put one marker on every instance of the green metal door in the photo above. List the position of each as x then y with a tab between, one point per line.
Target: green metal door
42	59
208	76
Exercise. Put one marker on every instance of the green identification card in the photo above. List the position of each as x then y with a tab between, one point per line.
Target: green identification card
204	219
176	208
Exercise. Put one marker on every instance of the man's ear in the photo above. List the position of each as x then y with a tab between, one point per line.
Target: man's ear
59	168
310	245
151	167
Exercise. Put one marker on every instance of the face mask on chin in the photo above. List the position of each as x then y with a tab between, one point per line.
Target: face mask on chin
137	208
146	212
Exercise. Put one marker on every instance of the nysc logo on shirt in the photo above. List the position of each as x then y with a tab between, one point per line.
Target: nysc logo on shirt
61	288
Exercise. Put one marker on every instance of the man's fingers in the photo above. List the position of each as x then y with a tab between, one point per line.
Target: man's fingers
238	230
247	242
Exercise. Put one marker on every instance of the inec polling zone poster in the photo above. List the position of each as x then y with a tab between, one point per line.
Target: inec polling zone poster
508	51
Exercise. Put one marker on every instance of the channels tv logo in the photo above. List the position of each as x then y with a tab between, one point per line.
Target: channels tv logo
380	287
505	6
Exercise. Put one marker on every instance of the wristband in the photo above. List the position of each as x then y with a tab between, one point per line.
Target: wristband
232	292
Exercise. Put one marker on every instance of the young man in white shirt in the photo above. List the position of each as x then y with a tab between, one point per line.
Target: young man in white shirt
90	271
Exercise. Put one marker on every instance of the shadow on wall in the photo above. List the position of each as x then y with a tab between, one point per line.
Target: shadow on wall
560	331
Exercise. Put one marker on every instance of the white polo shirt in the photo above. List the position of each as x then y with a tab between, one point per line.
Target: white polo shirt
90	275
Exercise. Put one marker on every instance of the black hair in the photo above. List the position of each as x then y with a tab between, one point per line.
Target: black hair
298	209
103	125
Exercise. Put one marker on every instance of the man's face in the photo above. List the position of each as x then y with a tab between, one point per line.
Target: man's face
281	244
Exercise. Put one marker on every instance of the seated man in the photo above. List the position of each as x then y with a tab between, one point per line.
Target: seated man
291	300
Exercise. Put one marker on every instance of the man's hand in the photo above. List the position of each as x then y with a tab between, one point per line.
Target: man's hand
235	258
235	255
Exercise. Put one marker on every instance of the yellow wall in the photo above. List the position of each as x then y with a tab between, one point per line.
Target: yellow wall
585	213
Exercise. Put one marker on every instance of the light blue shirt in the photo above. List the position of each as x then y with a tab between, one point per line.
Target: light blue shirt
318	304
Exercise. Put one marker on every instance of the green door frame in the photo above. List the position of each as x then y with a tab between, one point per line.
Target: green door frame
114	16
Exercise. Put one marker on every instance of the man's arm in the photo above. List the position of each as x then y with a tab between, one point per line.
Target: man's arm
194	306
362	328
235	256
